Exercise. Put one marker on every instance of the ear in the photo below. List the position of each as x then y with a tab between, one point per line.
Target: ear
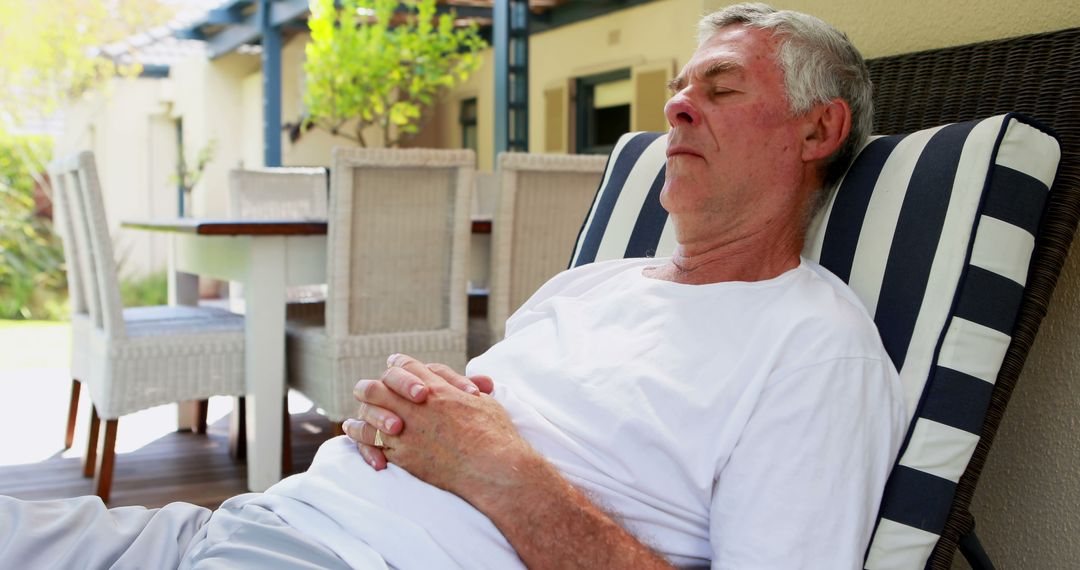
826	129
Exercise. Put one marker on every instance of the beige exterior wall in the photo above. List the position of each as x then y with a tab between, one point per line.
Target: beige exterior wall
446	117
658	33
315	146
209	97
133	139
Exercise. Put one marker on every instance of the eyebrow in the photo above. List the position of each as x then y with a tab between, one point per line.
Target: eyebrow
718	67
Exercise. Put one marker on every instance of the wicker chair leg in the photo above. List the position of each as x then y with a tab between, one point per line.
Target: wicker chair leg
106	458
286	440
973	551
237	430
73	411
90	457
202	407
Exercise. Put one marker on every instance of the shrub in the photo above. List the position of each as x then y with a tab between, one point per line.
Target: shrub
33	283
381	64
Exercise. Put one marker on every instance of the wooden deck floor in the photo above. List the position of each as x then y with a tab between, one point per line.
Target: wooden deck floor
179	466
175	466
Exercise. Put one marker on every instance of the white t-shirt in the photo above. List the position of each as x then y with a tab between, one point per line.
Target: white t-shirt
750	425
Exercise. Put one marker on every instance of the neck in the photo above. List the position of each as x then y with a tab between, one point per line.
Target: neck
754	257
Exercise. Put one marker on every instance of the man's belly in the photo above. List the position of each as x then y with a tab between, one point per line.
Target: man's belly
341	501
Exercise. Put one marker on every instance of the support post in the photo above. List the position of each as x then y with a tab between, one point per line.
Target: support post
501	38
271	72
511	37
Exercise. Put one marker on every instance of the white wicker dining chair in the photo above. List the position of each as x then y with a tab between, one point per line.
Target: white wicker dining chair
142	357
78	307
397	258
538	209
280	193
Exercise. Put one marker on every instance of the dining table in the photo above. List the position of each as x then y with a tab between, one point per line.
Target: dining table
266	257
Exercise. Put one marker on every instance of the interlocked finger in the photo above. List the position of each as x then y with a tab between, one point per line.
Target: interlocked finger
365	433
376	415
416	368
405	384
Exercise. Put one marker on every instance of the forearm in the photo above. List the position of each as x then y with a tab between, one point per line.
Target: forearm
467	445
551	524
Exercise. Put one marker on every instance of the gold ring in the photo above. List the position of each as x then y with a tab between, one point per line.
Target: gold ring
378	438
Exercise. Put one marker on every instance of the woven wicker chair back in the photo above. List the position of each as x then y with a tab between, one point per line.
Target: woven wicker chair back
541	200
97	266
278	193
62	185
398	239
1036	75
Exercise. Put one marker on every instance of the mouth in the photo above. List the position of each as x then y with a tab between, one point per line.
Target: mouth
678	150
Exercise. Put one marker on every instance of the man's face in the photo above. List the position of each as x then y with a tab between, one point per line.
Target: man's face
733	149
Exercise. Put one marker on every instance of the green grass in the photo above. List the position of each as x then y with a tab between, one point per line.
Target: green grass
152	289
34	344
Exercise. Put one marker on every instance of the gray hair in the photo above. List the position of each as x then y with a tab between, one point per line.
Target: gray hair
819	64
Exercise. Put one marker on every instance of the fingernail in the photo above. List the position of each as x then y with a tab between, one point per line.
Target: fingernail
391	359
389	424
415	390
472	389
345	425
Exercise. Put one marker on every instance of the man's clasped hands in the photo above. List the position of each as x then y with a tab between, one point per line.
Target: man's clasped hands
440	426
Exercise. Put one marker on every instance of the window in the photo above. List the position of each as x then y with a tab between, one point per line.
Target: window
603	110
467	118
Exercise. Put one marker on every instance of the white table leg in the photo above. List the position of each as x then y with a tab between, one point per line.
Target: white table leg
183	289
264	359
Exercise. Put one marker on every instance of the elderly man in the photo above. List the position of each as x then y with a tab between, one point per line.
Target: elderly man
731	405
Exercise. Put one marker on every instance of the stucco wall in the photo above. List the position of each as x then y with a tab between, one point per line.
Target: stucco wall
657	32
445	119
133	140
210	99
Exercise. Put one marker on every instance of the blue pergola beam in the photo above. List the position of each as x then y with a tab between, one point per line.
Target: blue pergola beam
511	38
224	16
240	30
501	37
249	29
271	75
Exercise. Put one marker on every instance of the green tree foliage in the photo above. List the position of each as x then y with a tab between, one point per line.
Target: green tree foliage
52	50
372	64
31	263
52	53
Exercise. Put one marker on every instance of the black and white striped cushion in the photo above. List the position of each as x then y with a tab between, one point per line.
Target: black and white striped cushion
934	231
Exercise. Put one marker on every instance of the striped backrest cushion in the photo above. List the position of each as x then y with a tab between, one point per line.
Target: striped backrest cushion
934	231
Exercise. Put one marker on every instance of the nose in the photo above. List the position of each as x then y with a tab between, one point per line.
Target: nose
680	111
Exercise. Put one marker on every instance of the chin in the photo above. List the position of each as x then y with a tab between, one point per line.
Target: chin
665	195
669	198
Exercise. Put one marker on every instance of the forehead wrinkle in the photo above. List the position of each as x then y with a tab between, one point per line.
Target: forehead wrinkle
721	67
712	70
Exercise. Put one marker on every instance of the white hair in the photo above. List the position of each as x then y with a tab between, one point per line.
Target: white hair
819	64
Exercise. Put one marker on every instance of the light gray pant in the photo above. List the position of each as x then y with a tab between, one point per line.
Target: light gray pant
82	533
